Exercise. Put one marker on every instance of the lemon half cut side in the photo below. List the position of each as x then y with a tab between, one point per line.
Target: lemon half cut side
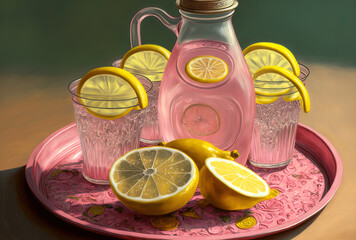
154	180
110	93
237	177
231	186
288	76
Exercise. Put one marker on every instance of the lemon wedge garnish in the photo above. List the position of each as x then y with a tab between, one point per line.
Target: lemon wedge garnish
266	99
206	69
149	60
263	54
231	186
154	180
288	76
292	95
271	91
110	93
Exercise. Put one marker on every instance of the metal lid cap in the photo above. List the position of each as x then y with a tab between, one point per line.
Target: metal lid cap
207	6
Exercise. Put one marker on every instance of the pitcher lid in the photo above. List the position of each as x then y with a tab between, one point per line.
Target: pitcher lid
206	6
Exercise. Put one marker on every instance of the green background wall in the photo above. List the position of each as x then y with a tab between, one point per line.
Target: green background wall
73	36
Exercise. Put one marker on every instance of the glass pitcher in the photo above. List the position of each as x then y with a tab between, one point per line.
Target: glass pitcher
207	90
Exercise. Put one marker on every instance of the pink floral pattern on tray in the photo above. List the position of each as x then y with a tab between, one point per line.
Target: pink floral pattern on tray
301	185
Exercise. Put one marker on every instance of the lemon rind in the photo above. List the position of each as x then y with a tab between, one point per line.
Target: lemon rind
298	84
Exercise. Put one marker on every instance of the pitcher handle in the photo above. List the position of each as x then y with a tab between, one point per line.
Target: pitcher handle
135	27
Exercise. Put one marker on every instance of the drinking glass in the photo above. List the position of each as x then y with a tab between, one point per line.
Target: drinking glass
150	133
275	130
104	141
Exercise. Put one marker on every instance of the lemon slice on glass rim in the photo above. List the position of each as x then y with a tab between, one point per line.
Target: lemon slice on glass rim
261	54
206	69
154	180
110	93
288	76
149	60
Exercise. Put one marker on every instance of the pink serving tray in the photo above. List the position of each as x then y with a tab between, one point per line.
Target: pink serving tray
306	185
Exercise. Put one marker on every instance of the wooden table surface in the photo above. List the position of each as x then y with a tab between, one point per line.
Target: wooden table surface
33	107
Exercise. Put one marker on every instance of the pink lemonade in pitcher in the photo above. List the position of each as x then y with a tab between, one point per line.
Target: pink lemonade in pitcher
221	113
206	90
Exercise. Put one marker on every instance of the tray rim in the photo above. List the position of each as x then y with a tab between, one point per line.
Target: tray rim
127	234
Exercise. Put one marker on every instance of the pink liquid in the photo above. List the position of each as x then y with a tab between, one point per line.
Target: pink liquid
221	113
104	141
274	133
150	131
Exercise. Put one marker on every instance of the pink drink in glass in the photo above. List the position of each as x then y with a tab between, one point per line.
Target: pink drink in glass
275	130
150	133
104	141
221	113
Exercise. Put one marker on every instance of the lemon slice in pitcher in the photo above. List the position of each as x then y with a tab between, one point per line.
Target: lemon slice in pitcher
110	93
288	76
149	60
206	69
154	180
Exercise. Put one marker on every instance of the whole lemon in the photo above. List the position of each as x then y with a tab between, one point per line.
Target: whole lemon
199	150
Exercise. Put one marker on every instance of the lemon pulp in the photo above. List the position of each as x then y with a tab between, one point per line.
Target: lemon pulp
154	180
238	177
231	186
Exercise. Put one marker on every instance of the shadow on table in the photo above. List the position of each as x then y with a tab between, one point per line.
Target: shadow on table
23	217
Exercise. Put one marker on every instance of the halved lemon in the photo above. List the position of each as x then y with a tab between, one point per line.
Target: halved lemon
149	60
206	69
110	93
263	54
231	186
154	180
288	76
